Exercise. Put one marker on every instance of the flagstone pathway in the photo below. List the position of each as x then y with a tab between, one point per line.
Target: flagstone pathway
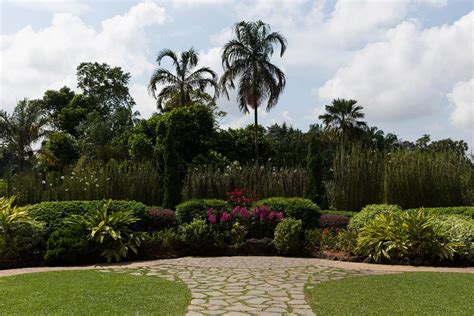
247	285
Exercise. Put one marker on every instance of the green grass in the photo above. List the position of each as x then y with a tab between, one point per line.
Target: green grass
418	293
91	293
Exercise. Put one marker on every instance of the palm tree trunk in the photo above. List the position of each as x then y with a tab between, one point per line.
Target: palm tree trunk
256	134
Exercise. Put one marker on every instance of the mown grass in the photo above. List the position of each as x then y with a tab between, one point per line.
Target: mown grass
91	293
398	294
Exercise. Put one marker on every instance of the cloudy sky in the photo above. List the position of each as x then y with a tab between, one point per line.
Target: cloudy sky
410	63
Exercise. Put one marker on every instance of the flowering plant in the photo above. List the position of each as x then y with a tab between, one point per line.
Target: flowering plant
241	197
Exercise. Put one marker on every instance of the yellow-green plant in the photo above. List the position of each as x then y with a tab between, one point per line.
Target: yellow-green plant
112	232
403	236
10	214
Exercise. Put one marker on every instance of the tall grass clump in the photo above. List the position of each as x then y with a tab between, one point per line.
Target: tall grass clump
430	179
357	179
268	181
123	181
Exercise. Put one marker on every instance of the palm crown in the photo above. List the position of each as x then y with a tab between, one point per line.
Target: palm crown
184	81
343	116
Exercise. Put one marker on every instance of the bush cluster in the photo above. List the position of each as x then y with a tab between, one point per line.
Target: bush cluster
189	210
298	208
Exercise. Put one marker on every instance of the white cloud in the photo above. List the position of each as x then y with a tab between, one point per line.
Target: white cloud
54	6
190	3
220	38
32	61
462	99
408	74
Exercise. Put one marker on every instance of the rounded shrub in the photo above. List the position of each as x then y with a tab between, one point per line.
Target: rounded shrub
297	208
460	230
160	218
67	245
288	235
189	210
407	237
370	212
197	236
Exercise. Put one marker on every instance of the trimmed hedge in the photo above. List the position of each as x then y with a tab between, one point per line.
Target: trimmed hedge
459	210
189	210
342	213
297	208
54	213
288	236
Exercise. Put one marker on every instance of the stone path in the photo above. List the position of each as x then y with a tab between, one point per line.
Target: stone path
247	285
268	290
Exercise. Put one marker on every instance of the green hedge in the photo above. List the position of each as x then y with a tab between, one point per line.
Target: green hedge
460	210
343	213
54	213
297	208
189	210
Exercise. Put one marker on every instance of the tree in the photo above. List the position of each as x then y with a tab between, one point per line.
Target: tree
171	177
19	131
55	101
107	86
247	57
315	165
59	151
342	117
185	80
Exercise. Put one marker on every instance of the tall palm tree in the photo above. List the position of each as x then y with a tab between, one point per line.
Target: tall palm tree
185	79
342	116
19	131
247	57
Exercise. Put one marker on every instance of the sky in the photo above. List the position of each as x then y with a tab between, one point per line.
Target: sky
409	63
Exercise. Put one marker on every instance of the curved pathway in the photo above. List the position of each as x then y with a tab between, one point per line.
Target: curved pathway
248	285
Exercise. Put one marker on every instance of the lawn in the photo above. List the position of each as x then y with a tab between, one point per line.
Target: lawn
396	294
91	293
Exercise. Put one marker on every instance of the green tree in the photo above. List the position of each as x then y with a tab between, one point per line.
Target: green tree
59	151
315	168
247	57
171	177
20	130
55	101
106	85
343	117
178	87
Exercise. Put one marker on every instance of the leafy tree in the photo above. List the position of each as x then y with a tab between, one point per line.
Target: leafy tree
140	147
247	57
178	87
55	101
316	191
60	150
289	145
107	86
75	113
20	130
171	177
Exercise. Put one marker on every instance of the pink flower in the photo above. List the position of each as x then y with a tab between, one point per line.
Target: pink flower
244	212
210	211
272	215
279	216
236	210
212	219
225	217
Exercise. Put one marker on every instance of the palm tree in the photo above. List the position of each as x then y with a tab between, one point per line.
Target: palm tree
374	136
247	57
184	81
342	116
26	125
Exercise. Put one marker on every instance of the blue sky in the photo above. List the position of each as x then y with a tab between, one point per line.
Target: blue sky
410	63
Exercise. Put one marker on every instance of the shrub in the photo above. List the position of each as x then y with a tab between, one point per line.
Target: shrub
160	218
23	241
312	239
166	239
403	237
111	232
333	221
343	213
326	239
197	236
288	236
461	210
171	176
459	230
297	208
231	235
54	213
189	210
369	212
67	245
346	240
